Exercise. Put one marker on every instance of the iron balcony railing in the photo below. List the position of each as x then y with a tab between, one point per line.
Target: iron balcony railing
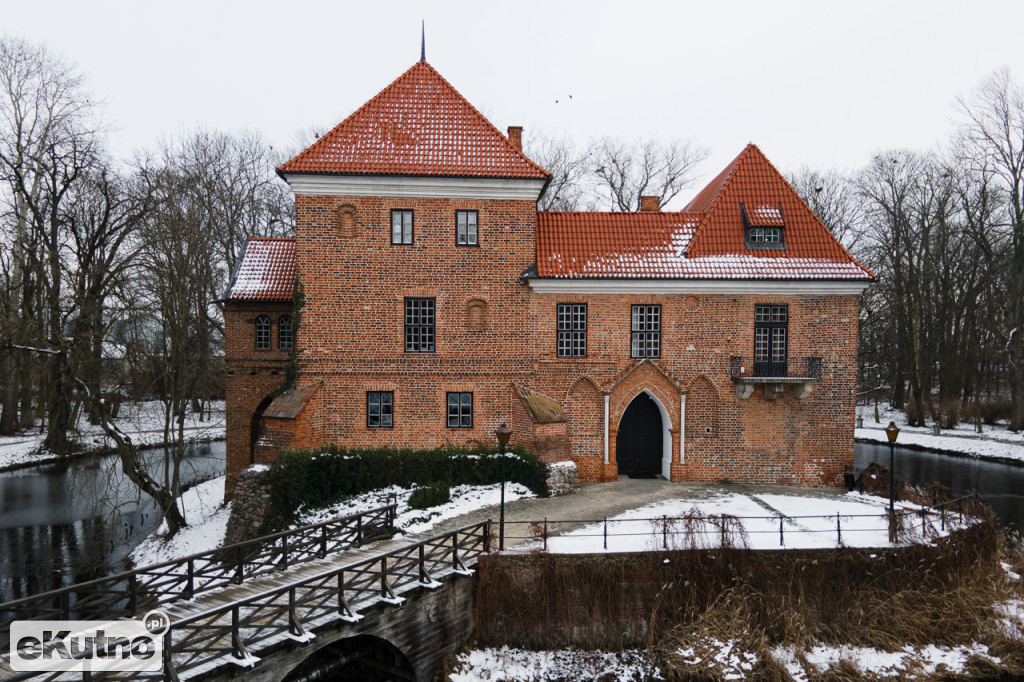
792	369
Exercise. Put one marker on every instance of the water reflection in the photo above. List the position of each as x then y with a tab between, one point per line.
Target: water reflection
69	522
1001	485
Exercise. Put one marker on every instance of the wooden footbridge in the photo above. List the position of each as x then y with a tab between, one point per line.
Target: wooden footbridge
298	605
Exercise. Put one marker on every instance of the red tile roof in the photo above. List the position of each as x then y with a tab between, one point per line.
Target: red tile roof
612	244
418	125
266	271
705	241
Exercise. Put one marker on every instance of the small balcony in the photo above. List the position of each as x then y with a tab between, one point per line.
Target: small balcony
801	373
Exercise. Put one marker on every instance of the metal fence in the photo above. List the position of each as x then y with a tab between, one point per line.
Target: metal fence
125	595
231	633
704	531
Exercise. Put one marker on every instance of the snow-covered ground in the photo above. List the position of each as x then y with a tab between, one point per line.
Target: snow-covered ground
711	658
810	523
465	499
207	516
143	421
530	666
995	442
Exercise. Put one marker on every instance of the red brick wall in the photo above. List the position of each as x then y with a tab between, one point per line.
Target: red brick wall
352	332
352	338
252	376
782	441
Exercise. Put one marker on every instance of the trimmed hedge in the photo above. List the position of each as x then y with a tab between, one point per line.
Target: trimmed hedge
433	495
321	477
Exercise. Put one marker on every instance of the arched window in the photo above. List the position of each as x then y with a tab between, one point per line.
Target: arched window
285	338
262	332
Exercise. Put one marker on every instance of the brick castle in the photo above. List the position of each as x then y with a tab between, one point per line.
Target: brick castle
718	342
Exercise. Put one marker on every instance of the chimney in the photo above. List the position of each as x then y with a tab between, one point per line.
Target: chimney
650	204
515	136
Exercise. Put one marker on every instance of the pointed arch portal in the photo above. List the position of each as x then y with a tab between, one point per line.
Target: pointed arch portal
643	441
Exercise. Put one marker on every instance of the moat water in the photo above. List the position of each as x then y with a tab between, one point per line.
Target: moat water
64	523
68	522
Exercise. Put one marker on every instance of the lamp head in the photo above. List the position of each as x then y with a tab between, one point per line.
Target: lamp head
503	433
892	431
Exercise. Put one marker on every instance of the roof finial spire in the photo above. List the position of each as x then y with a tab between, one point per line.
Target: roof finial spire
423	40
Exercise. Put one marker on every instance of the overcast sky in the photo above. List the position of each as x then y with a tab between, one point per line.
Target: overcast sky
819	83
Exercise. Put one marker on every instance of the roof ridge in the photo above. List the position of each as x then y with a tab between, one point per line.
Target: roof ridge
485	120
426	73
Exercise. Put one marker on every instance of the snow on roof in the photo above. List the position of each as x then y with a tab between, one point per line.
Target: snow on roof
417	125
266	271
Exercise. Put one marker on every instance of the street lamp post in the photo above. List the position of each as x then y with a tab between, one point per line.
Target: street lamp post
891	432
504	434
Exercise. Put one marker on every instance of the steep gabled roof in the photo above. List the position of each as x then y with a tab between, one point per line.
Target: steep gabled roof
752	180
266	272
417	125
704	241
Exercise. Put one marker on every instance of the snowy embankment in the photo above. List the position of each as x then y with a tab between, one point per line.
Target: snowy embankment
995	443
207	516
143	422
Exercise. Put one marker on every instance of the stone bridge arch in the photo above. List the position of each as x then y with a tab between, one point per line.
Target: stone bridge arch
428	626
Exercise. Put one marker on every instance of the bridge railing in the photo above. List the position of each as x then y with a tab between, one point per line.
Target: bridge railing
229	634
125	595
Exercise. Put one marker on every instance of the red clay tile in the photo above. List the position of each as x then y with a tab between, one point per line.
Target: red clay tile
266	271
417	125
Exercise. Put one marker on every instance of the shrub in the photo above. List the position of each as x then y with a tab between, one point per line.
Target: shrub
321	477
437	493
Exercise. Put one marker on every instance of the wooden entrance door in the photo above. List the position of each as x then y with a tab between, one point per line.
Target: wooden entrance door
639	446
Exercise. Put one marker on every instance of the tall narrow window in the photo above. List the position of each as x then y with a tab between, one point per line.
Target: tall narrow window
572	330
460	410
401	226
465	228
771	325
262	332
285	337
419	325
380	409
646	331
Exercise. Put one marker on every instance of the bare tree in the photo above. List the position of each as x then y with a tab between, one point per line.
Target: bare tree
46	140
623	172
833	198
569	188
993	125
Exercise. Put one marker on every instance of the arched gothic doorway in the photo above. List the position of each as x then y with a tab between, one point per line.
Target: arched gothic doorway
640	445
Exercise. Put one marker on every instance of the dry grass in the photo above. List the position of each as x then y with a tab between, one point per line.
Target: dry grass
888	598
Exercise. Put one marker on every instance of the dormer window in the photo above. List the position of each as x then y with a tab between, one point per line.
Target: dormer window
763	226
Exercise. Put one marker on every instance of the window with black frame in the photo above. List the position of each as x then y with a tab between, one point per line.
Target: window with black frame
262	333
771	328
645	341
419	325
465	228
572	330
380	409
460	410
401	226
285	337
